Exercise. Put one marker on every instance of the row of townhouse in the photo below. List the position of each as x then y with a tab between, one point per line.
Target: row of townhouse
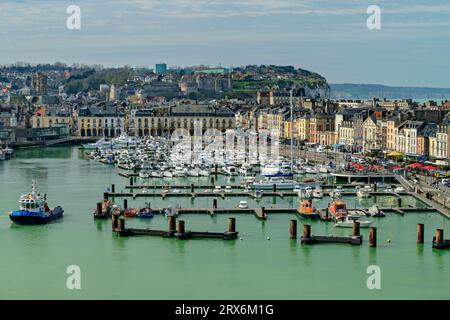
364	130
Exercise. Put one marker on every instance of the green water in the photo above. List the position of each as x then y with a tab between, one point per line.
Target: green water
34	259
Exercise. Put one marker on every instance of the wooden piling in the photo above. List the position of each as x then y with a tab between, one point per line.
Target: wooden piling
373	237
293	229
180	228
121	224
125	204
172	226
439	236
131	181
113	188
105	195
115	221
214	203
192	188
355	229
274	187
232	225
99	208
420	233
399	202
306	231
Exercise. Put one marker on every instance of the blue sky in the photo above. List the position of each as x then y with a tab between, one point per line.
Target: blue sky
330	37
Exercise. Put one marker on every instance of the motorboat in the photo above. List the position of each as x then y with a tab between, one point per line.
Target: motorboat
349	220
146	212
258	194
217	189
243	204
168	174
130	213
374	211
336	193
363	192
230	170
101	144
307	210
399	189
279	184
34	209
338	209
228	189
270	170
317	192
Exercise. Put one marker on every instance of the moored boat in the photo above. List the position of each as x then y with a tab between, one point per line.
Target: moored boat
348	221
338	209
307	210
34	209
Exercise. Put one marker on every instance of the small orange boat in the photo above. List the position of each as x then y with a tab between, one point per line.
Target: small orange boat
338	209
130	213
307	210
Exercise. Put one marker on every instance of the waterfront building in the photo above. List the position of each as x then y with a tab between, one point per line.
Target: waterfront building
48	116
101	121
304	127
322	129
280	97
442	141
165	120
346	134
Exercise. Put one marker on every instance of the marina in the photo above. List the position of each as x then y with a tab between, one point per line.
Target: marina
265	225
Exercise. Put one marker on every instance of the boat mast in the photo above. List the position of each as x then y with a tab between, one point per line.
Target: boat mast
33	187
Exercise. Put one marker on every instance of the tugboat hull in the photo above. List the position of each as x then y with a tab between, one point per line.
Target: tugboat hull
30	218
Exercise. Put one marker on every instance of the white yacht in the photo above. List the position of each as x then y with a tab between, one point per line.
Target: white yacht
270	170
280	184
318	192
348	221
100	144
363	192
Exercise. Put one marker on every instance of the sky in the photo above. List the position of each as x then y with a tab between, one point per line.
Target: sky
330	37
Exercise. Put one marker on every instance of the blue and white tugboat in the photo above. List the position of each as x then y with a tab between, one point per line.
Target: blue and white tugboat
34	209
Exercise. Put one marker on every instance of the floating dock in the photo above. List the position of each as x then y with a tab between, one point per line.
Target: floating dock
118	226
354	239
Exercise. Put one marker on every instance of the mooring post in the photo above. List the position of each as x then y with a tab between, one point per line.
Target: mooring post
399	202
274	187
121	224
375	187
105	195
306	231
373	237
356	229
232	225
115	221
131	181
293	229
214	203
212	180
99	208
113	188
180	229
439	236
172	227
263	211
125	204
215	168
420	233
192	188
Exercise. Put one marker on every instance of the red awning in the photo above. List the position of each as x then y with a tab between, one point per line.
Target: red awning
415	165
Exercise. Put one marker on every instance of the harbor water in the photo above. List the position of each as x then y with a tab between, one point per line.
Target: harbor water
264	264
